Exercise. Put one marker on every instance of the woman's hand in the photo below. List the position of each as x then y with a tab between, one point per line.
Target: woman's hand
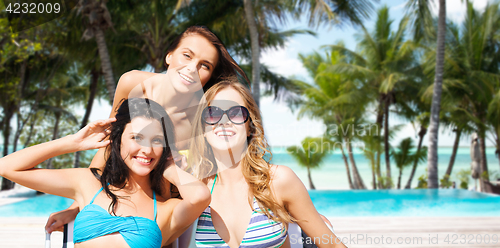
57	220
92	136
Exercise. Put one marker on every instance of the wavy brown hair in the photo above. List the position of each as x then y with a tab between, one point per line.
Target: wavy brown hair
226	66
256	170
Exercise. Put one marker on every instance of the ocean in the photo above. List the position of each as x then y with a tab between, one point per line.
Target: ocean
331	174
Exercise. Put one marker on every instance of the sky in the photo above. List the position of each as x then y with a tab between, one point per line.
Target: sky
282	127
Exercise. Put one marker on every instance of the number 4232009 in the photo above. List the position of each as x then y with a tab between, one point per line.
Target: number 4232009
33	8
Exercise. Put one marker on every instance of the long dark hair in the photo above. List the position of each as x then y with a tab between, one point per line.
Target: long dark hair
226	66
116	172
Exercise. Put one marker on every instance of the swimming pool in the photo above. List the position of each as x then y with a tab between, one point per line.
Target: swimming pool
334	203
38	206
415	202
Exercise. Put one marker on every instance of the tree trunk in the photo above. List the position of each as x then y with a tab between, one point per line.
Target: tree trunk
432	156
358	181
351	186
484	175
399	178
18	131
374	178
497	152
311	185
380	119
6	183
454	152
386	144
20	126
107	69
379	173
54	136
6	130
94	79
32	129
421	134
254	41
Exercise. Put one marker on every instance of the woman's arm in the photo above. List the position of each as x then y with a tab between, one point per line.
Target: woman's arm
195	198
296	200
19	166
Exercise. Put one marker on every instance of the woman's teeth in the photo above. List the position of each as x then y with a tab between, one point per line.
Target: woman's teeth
225	134
189	80
143	160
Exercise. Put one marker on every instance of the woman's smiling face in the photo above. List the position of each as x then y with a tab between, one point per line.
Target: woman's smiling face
191	65
142	144
225	134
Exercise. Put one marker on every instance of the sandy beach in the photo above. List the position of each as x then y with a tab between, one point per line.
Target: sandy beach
355	232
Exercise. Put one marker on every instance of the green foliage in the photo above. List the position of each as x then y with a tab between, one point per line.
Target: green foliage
445	182
386	181
422	182
464	177
311	153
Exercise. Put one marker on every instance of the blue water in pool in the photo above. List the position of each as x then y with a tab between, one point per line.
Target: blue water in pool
335	203
443	202
38	206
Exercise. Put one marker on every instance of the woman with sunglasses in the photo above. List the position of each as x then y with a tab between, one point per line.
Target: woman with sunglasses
252	201
195	60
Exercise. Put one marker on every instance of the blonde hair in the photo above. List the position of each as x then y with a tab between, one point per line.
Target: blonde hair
256	170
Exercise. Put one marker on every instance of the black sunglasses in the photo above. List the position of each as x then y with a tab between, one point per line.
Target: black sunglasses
212	115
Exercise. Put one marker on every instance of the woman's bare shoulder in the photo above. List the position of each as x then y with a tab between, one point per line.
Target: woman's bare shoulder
131	84
281	176
132	78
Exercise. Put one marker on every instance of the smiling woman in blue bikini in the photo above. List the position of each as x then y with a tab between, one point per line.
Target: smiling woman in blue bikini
253	201
121	204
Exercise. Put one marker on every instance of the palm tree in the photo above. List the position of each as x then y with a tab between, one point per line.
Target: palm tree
387	63
404	156
96	19
310	154
64	91
423	121
337	100
436	99
373	148
459	122
149	27
472	65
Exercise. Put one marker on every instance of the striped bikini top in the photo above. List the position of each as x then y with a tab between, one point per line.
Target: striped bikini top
261	231
94	221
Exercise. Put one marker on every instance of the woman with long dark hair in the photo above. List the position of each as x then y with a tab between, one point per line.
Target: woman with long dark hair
122	204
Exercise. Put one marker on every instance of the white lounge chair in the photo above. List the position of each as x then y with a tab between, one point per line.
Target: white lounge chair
67	236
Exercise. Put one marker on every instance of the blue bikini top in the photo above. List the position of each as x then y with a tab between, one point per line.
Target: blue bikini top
94	221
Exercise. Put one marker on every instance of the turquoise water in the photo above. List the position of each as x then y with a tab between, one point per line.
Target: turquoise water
332	172
443	202
39	206
334	203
